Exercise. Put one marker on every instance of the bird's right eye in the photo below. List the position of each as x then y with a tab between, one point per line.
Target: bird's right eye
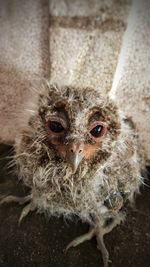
55	126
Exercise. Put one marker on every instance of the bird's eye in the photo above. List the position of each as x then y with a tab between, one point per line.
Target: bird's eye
97	131
55	126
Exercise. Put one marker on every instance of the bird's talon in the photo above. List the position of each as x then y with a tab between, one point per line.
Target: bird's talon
74	243
99	233
80	239
29	207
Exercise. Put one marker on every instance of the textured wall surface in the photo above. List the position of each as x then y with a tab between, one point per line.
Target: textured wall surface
85	40
24	57
131	85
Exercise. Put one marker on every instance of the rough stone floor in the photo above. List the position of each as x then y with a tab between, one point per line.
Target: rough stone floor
39	241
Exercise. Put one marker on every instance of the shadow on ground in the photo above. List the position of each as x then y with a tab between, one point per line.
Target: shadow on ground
40	242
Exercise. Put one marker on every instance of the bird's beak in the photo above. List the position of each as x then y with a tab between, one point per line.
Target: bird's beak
75	160
75	154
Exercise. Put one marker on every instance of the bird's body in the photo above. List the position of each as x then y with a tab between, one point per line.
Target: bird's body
79	157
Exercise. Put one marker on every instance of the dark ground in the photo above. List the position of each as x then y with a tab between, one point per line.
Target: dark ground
39	242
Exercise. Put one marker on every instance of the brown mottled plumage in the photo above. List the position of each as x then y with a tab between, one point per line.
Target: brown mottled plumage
78	155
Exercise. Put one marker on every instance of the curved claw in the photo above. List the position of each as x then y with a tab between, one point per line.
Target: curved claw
29	207
80	239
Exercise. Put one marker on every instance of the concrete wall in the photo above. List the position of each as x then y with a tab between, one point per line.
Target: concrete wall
85	40
131	85
24	57
104	44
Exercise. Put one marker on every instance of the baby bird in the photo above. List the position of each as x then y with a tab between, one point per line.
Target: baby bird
78	155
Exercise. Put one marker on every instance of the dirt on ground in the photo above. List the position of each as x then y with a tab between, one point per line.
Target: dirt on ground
40	241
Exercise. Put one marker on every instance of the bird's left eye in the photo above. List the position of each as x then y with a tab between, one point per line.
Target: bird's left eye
55	126
97	131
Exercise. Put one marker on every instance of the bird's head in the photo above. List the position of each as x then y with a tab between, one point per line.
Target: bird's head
80	124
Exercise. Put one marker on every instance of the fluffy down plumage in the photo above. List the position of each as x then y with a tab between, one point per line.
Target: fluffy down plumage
102	183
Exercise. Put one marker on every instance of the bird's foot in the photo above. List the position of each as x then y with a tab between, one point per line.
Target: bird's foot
99	233
112	220
21	200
